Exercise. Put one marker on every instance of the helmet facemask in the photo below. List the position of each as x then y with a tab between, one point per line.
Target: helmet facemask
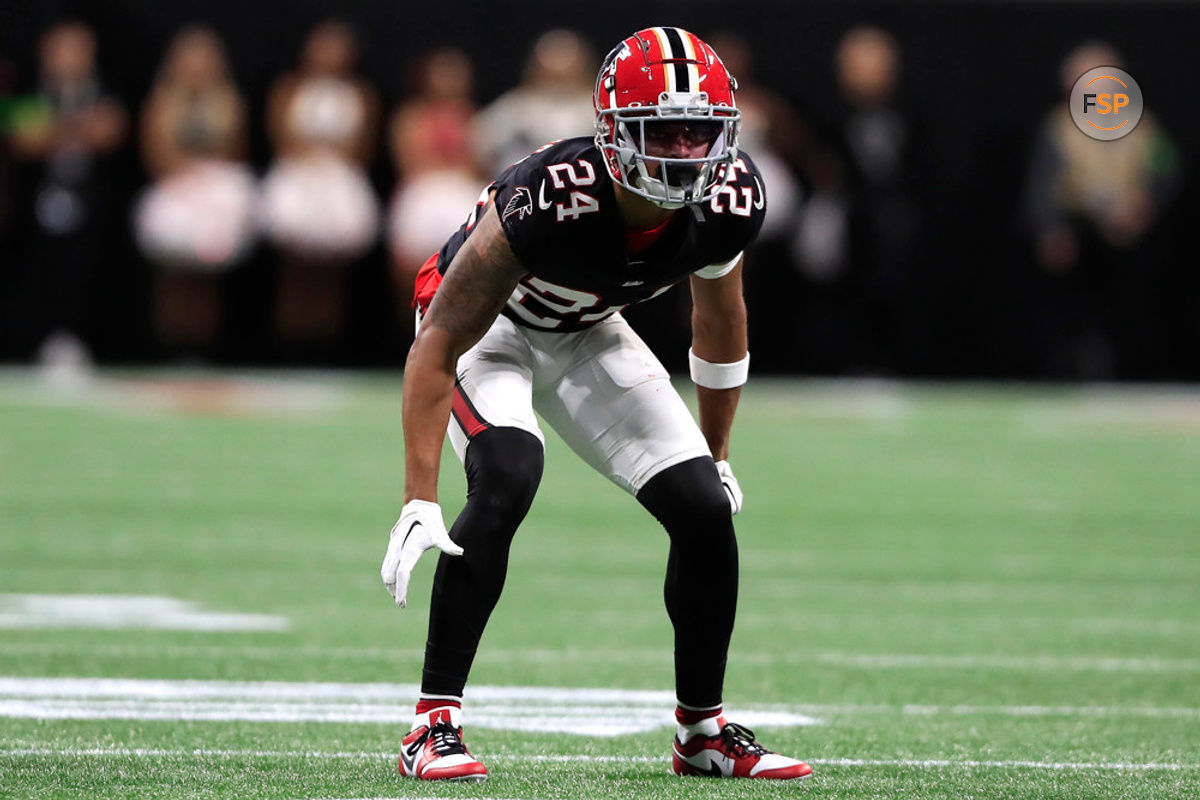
622	135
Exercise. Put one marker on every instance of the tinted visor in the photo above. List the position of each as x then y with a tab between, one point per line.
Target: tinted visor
663	133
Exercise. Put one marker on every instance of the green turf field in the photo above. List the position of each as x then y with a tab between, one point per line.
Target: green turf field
965	593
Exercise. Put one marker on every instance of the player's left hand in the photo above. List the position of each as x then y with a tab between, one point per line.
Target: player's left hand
731	485
419	528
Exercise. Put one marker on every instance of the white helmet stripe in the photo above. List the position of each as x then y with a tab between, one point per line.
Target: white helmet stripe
667	54
612	92
678	52
693	68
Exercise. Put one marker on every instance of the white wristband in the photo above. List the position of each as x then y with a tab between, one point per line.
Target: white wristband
718	376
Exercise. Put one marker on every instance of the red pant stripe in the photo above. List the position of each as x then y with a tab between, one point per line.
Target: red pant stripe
465	414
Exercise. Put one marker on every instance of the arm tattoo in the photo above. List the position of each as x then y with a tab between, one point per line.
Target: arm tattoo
477	283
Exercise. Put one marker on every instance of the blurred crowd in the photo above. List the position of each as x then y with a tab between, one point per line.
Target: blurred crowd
839	282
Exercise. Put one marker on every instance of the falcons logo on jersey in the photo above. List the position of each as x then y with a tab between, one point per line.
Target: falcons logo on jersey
521	204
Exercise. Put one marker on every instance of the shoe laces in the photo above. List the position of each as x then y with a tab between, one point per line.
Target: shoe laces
447	741
740	740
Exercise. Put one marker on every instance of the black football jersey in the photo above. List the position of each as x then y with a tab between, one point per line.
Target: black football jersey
559	211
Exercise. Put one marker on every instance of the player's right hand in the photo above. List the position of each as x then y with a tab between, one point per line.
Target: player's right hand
733	489
419	528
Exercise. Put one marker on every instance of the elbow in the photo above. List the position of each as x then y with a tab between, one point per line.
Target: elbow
434	347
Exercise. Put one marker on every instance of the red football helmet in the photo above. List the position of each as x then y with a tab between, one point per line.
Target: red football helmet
658	85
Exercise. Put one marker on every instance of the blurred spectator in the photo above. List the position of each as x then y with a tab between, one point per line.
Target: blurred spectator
860	231
430	143
782	147
8	265
318	207
198	219
1092	207
553	101
65	131
8	105
771	132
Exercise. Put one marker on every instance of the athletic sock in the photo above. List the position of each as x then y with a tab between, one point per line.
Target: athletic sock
697	722
426	704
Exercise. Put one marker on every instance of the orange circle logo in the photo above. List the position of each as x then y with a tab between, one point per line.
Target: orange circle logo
1106	103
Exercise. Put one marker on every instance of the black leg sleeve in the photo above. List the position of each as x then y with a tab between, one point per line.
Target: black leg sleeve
702	574
504	467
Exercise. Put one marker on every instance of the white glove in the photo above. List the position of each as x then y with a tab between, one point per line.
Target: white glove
419	528
731	485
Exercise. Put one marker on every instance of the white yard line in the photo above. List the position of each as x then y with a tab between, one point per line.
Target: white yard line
926	710
571	655
121	752
118	611
1124	627
1067	766
265	652
1024	663
179	390
587	711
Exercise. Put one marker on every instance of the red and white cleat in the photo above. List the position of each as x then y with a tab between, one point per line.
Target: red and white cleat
733	753
434	751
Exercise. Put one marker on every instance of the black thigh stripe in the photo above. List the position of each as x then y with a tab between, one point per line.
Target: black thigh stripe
679	54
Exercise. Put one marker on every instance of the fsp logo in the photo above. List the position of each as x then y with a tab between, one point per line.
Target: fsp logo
1106	103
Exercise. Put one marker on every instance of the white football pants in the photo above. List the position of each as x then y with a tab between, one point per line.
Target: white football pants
600	389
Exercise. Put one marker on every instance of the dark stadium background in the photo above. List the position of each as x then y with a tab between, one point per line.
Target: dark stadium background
978	75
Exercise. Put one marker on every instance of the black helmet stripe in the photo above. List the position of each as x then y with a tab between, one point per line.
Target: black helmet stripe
679	55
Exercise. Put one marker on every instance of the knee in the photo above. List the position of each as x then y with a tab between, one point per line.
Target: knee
689	496
708	504
504	469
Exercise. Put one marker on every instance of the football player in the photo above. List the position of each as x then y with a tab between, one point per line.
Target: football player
520	310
